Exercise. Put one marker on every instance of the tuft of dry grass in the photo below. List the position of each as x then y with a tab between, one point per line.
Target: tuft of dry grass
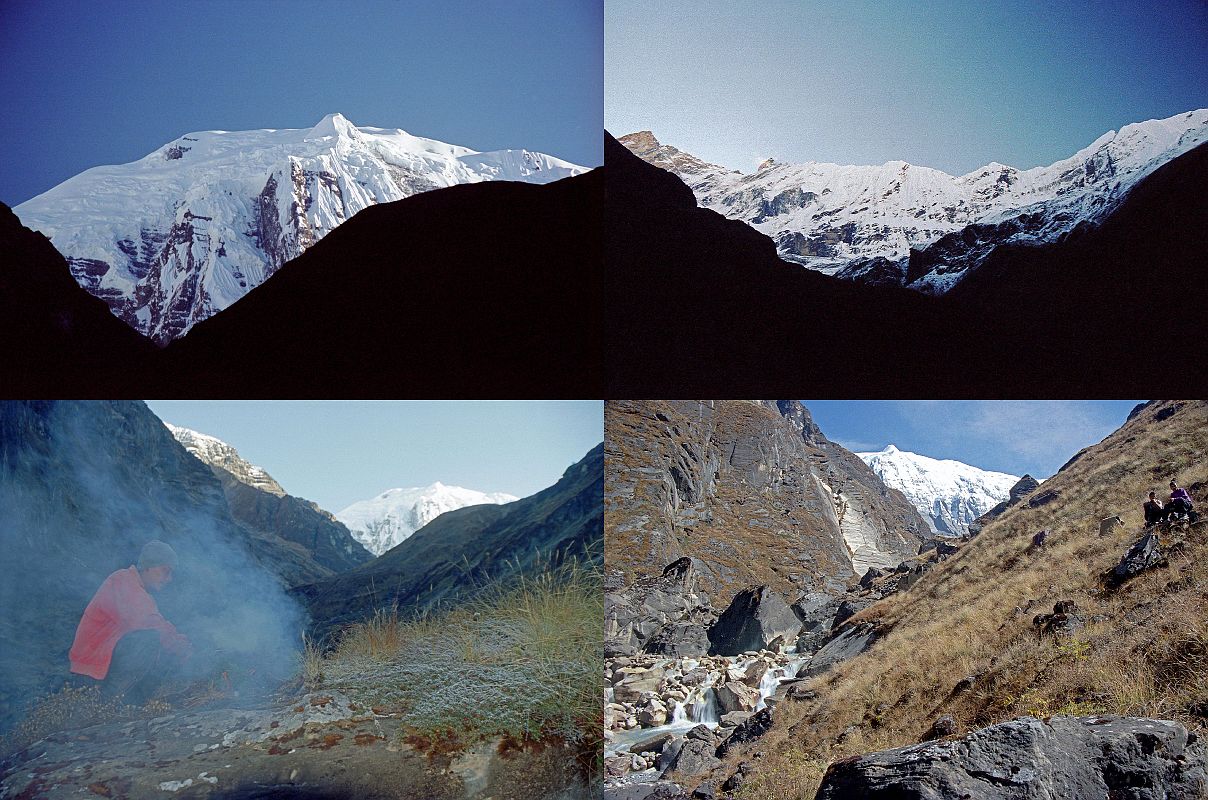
521	660
1143	650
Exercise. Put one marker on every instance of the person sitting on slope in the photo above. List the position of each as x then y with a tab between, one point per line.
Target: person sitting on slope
122	641
1180	503
1154	513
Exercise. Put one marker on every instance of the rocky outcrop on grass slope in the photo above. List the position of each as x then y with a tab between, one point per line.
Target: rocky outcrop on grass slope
1087	758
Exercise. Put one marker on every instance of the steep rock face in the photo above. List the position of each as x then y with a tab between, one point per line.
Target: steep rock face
750	489
950	495
259	503
1078	758
83	486
907	225
173	238
218	453
458	552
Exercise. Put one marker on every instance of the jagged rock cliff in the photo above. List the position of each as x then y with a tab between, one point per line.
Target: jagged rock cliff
750	489
259	503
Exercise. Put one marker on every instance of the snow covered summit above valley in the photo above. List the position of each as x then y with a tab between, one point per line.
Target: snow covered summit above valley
217	453
862	222
382	522
949	494
185	231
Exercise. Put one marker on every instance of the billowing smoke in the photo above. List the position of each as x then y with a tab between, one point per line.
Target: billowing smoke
83	486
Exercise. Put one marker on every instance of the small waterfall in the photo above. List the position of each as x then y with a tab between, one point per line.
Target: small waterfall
767	686
705	711
679	716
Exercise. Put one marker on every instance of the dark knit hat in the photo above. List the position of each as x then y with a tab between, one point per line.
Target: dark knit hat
156	554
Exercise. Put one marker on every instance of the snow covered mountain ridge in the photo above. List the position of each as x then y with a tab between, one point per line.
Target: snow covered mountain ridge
175	237
863	222
949	494
217	453
382	522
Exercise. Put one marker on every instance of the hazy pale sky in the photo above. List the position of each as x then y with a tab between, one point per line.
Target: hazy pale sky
337	452
87	83
948	84
1013	436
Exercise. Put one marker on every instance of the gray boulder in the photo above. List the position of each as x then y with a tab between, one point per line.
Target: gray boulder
697	755
679	639
848	644
752	728
756	617
817	611
1144	554
1073	758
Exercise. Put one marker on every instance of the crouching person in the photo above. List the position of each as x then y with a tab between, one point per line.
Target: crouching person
122	640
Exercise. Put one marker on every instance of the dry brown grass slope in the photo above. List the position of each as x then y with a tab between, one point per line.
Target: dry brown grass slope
962	641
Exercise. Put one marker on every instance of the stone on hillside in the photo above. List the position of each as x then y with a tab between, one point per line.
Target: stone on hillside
698	754
816	611
1145	553
1073	758
1108	526
755	726
735	696
870	576
1062	622
734	718
1044	498
848	644
753	674
944	726
850	607
757	616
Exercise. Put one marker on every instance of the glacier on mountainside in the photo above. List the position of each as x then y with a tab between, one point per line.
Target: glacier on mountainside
949	494
383	522
175	237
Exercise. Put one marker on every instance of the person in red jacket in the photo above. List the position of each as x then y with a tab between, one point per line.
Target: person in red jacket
122	639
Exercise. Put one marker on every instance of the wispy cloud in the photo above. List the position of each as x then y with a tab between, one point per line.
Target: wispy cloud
1035	435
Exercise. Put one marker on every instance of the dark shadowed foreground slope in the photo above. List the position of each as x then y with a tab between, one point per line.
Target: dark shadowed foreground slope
489	289
54	336
459	552
700	304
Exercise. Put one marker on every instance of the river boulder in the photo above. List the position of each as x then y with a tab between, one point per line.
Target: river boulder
1073	758
756	618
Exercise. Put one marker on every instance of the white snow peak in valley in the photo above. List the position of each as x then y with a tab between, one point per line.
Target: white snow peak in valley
382	522
185	231
217	453
842	219
949	494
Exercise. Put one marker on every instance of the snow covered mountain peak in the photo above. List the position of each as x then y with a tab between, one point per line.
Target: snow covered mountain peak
868	223
175	237
217	453
949	494
332	125
386	520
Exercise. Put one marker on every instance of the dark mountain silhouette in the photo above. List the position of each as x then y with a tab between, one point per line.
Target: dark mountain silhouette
698	302
490	289
56	338
456	554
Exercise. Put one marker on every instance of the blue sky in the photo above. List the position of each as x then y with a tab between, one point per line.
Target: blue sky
337	452
86	83
1012	436
945	83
